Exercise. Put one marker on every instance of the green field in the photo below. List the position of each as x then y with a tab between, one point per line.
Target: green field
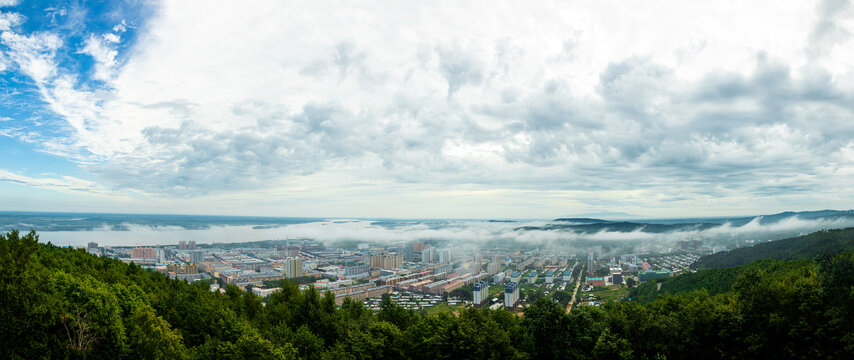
443	307
605	293
496	290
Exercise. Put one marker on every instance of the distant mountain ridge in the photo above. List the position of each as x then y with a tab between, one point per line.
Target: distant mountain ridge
623	226
583	220
591	225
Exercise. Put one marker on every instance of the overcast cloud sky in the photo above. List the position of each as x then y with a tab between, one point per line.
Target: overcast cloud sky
440	109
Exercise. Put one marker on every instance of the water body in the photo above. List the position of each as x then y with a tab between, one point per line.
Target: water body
77	229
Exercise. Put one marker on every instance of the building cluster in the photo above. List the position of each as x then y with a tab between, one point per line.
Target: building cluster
641	267
416	272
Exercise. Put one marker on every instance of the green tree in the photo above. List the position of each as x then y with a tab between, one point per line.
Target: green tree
394	313
543	321
151	337
610	346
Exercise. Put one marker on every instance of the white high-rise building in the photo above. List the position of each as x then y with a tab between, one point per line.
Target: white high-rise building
392	261
590	258
480	293
428	254
476	264
511	295
495	266
197	256
445	256
294	268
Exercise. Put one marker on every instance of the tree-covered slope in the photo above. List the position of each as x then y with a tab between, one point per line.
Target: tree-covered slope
801	247
712	281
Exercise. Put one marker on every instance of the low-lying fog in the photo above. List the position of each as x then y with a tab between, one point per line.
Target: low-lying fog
482	234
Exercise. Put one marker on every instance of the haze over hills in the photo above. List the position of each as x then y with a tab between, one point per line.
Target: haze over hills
678	224
599	235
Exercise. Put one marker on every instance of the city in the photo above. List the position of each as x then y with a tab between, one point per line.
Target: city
420	275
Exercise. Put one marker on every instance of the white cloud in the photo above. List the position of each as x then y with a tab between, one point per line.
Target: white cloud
584	97
9	20
104	56
4	3
121	27
66	184
33	53
112	38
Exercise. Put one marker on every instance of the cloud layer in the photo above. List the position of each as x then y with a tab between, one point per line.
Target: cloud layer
457	234
655	103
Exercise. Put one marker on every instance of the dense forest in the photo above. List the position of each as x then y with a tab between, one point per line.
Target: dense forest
64	303
801	247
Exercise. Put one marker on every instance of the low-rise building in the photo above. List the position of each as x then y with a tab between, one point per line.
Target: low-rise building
567	275
596	281
370	292
532	277
357	269
550	277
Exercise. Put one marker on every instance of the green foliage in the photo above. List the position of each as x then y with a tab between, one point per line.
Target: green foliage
463	293
562	297
630	282
802	247
644	292
65	303
395	314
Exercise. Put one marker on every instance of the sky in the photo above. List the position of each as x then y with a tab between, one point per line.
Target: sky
439	109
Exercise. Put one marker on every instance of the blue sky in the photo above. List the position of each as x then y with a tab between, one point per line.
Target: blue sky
439	109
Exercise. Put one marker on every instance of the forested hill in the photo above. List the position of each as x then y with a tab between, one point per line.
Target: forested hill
801	247
64	303
715	281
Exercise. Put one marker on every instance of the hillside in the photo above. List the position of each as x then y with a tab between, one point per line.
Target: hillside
801	247
713	281
718	273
